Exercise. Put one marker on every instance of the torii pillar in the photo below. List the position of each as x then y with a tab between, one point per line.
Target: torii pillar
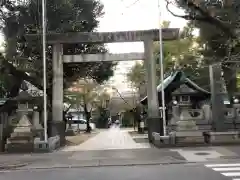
57	123
154	121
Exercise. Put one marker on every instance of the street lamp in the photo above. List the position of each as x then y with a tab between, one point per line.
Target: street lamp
175	102
236	101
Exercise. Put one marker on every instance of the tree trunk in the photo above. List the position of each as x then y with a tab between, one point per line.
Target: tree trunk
230	80
20	74
137	118
88	116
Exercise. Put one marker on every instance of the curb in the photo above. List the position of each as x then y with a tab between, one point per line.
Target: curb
184	162
190	145
20	167
13	166
105	165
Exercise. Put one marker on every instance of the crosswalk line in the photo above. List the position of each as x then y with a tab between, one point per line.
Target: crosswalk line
231	170
230	174
227	169
222	165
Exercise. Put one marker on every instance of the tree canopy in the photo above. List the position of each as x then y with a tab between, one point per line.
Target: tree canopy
218	22
23	59
91	96
182	54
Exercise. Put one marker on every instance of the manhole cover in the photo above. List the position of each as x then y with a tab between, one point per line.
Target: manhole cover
202	153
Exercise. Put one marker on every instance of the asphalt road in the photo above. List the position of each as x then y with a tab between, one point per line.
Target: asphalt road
149	172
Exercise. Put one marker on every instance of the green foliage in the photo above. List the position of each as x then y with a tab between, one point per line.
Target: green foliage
19	19
218	22
137	75
182	54
85	93
90	94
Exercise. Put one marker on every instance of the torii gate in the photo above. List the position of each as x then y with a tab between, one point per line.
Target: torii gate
146	36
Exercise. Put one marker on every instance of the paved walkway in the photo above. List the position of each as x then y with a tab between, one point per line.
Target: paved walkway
113	138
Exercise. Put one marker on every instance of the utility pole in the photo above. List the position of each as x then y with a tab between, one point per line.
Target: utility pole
44	69
161	72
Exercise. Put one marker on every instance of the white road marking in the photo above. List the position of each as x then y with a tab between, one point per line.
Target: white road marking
229	170
229	174
222	165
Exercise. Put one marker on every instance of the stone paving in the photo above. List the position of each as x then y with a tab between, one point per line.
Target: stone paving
115	147
114	138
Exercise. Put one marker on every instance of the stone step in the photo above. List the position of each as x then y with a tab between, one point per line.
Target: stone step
187	137
19	141
21	144
29	138
22	134
223	137
19	148
186	140
187	134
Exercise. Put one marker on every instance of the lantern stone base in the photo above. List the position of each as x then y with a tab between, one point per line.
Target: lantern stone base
20	143
19	147
22	138
187	137
230	137
186	132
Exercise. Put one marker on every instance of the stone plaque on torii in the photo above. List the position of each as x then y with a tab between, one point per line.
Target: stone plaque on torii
145	36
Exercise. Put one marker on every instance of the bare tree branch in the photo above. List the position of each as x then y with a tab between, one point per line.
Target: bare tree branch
205	17
186	16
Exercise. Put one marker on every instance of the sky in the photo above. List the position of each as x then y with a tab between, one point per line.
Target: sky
123	15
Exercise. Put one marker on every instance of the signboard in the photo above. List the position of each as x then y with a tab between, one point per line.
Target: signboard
102	57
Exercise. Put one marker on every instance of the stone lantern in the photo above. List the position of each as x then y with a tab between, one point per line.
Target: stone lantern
22	137
183	101
182	96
